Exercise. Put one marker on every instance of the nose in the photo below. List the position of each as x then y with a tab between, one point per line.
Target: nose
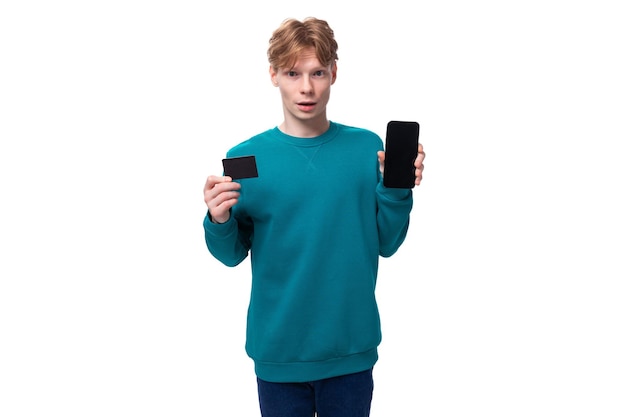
306	86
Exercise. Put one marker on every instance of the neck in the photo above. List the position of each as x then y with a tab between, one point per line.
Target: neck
305	128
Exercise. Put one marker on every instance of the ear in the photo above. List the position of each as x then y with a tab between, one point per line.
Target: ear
273	76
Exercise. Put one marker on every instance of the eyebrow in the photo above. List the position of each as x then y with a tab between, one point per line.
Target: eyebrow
319	68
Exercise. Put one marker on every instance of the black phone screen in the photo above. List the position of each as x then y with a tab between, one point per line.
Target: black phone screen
400	153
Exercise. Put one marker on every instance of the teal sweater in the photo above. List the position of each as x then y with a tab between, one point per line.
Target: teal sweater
314	222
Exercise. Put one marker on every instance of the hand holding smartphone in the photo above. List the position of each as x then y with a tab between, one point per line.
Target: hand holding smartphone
400	153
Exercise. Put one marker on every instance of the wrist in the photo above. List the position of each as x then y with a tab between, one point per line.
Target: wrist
215	221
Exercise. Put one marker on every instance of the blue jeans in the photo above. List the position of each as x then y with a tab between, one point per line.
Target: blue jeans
342	396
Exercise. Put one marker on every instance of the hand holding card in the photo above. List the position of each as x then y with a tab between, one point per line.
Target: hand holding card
240	167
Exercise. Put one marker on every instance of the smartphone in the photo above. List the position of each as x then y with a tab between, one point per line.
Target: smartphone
240	167
400	154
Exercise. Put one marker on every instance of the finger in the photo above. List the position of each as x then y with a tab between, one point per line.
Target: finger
381	160
420	157
221	191
229	197
221	184
220	206
212	180
418	178
419	169
219	209
420	151
224	189
226	206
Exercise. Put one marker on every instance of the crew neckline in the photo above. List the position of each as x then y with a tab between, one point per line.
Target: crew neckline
313	141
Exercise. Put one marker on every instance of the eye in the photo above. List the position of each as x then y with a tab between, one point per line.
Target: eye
291	74
319	73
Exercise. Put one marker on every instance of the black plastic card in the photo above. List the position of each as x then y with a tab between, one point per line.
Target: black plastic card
240	167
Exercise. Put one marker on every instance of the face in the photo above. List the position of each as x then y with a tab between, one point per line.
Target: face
305	88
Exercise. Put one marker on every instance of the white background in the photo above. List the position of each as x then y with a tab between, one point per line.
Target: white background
507	298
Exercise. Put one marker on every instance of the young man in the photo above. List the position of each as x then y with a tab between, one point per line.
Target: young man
315	222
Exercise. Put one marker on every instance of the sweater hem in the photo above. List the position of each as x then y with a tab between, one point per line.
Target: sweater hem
295	372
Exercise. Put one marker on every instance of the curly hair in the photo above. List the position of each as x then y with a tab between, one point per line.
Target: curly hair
293	36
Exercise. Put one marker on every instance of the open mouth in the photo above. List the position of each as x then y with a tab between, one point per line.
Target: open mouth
306	105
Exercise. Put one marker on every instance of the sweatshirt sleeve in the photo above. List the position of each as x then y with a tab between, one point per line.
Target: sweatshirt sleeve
228	242
394	207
